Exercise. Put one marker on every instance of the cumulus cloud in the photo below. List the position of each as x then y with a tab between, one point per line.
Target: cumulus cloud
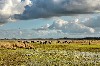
32	9
68	27
8	8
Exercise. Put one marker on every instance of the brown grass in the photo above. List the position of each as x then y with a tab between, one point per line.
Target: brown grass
14	45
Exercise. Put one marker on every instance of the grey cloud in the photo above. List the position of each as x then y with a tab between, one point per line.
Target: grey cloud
50	8
93	22
33	9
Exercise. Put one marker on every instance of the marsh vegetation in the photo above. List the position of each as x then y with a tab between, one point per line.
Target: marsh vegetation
49	54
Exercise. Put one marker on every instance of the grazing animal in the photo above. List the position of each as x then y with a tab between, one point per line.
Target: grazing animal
19	41
45	42
69	42
32	41
26	42
49	42
65	42
89	42
41	42
38	41
58	42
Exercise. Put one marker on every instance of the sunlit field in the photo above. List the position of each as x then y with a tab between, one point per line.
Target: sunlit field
73	53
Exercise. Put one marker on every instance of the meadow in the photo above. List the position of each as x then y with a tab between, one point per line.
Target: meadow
77	53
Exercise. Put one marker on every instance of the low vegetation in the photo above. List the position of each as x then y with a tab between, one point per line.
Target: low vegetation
14	53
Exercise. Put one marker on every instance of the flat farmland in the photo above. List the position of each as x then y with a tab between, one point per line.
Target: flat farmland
49	52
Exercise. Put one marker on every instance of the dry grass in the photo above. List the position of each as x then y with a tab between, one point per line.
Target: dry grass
14	45
74	45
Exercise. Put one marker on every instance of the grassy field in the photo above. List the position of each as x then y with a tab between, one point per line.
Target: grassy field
49	54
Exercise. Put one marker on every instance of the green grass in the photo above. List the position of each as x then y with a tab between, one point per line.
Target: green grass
79	47
52	55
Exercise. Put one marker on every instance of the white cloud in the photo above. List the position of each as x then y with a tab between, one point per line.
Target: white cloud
8	8
69	27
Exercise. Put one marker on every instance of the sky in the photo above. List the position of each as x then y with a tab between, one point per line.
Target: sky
49	18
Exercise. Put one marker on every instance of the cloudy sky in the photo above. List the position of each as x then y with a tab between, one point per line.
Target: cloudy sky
49	18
